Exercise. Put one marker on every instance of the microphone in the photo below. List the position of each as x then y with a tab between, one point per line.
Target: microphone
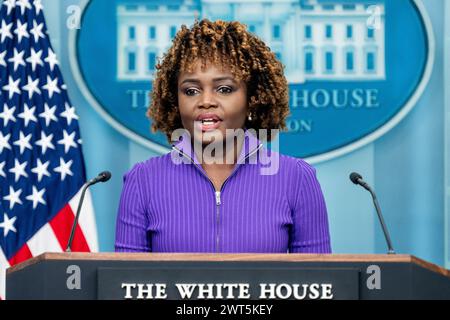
356	178
102	177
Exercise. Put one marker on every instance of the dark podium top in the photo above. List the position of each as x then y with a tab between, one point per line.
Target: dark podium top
229	276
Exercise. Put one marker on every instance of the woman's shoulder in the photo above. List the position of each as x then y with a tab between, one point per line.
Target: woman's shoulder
294	172
283	165
153	164
295	165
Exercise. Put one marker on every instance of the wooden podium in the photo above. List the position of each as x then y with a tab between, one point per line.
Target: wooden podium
92	276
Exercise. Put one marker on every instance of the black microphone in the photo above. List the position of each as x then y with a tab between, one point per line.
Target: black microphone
356	178
102	177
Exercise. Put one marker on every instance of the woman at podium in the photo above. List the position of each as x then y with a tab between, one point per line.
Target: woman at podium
220	96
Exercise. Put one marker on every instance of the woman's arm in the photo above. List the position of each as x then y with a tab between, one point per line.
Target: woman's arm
309	232
132	220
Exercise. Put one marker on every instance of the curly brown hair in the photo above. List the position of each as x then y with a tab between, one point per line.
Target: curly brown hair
225	44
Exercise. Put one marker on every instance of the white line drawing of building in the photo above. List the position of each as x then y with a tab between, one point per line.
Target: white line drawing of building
145	32
314	39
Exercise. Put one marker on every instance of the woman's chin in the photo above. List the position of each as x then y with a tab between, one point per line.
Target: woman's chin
210	136
212	139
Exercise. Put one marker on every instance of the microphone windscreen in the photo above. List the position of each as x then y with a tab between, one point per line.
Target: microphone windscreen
354	177
105	176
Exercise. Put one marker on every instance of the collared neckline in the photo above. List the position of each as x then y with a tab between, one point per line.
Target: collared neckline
249	145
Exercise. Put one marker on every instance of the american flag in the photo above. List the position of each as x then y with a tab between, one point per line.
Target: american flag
41	162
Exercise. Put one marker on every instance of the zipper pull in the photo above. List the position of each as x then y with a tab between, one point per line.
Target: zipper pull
218	197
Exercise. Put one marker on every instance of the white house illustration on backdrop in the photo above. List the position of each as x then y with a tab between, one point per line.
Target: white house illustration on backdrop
314	39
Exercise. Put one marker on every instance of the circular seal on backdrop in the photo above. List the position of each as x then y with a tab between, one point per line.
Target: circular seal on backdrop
355	68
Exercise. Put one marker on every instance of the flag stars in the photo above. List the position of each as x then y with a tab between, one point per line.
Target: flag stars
51	59
51	86
38	6
37	31
2	172
8	225
10	4
5	31
19	170
32	80
45	142
4	142
32	87
41	169
13	197
28	115
36	197
12	86
68	141
2	58
23	4
64	168
69	114
48	114
35	59
17	59
23	142
21	31
8	114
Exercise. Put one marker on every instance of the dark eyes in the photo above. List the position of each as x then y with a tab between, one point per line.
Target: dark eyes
222	89
190	92
225	89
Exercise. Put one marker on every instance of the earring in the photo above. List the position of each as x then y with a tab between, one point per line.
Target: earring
250	117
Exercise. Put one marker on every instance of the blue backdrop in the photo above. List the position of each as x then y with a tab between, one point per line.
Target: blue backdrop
408	166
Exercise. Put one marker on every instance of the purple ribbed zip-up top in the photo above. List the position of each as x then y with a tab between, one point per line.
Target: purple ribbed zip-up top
168	204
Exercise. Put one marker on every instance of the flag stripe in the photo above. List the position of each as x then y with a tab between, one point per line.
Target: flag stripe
44	241
51	238
21	255
86	219
62	225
